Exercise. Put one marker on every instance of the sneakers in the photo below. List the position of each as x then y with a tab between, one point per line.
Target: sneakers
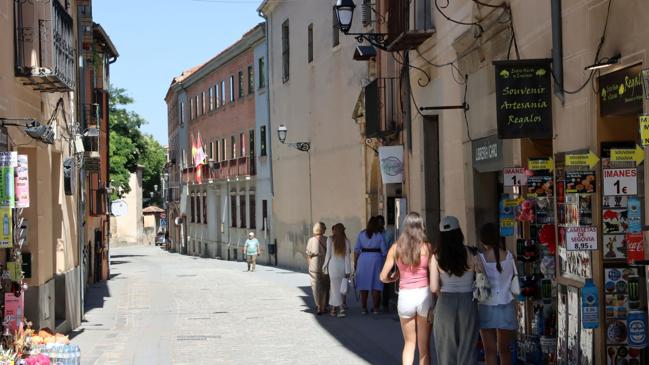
342	313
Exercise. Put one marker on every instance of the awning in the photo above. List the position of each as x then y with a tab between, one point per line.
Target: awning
364	53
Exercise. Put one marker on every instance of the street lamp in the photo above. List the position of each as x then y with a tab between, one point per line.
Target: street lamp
345	15
282	132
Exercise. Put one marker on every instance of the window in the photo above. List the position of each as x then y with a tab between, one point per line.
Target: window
192	109
262	140
251	79
198	208
240	84
204	208
242	145
212	151
222	92
181	111
310	43
285	51
233	148
203	101
211	99
251	143
217	151
264	215
242	210
233	210
198	106
335	31
232	88
262	73
217	100
223	149
253	212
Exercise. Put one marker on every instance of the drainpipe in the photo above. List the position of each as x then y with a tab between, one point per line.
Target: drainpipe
557	49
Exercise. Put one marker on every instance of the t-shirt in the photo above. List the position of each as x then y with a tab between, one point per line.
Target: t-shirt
252	246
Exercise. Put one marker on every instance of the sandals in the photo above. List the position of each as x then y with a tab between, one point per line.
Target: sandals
332	312
342	313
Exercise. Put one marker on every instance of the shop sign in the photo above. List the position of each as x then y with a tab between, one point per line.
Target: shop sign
537	164
515	176
644	129
14	310
22	182
582	160
6	235
581	182
391	158
620	181
581	238
8	161
15	271
634	247
523	99
620	92
488	154
628	155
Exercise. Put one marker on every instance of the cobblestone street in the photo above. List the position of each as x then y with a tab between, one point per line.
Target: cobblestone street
162	308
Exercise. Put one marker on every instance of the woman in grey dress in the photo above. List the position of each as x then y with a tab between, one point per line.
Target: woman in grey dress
452	268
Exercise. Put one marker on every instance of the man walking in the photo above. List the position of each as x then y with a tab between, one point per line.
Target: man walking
251	249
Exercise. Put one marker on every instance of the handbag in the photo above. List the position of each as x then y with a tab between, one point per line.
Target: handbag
515	285
344	285
481	287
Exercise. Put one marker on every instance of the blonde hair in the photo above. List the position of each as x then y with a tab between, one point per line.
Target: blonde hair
319	229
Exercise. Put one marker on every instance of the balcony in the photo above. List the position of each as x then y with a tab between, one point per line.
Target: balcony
45	47
410	23
382	111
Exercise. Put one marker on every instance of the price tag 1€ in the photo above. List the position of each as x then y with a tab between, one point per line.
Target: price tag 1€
515	176
621	181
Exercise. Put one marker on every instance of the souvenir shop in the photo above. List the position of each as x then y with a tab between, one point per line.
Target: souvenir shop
575	220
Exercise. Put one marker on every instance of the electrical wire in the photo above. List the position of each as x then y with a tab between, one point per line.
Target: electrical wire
439	9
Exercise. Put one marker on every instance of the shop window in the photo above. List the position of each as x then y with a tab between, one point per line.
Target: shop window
253	211
205	208
242	210
233	211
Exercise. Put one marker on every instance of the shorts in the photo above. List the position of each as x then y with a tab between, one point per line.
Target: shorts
414	301
502	316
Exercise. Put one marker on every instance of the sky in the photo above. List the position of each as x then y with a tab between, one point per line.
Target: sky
158	39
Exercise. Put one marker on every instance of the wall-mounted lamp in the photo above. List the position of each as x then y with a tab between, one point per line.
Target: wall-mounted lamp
604	63
345	15
282	133
32	127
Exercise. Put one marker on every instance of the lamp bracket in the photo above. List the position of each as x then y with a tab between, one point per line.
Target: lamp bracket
301	146
378	40
463	106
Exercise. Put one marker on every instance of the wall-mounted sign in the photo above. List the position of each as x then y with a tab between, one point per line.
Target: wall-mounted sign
118	208
620	181
14	310
524	99
22	182
581	238
620	92
391	159
6	228
488	154
644	129
582	160
628	155
536	164
8	161
514	176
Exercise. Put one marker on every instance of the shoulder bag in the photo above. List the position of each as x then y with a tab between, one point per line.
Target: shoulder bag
481	287
515	286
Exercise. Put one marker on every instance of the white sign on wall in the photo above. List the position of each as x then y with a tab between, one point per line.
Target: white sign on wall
118	208
515	176
621	181
391	158
581	238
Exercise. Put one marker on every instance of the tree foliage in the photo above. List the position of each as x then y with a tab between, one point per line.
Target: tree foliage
130	148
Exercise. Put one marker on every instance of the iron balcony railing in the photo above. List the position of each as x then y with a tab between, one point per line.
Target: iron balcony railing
410	23
45	46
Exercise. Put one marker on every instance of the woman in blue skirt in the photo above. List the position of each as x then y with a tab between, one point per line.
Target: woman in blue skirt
370	252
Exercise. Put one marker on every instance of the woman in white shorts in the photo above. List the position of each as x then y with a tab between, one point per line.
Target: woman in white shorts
411	254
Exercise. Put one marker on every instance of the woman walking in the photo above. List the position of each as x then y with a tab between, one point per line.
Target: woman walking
498	313
411	253
316	249
369	253
338	265
452	271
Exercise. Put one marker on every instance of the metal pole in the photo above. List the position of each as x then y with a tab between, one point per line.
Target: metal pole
310	190
557	48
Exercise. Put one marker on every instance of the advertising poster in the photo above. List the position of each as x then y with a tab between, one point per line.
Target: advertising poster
507	216
614	247
539	183
14	310
581	182
614	221
6	232
8	161
22	182
634	247
634	215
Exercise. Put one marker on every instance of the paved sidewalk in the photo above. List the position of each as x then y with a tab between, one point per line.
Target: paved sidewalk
163	308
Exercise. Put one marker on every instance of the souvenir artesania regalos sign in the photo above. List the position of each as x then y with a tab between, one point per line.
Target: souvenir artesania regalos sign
391	158
523	99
